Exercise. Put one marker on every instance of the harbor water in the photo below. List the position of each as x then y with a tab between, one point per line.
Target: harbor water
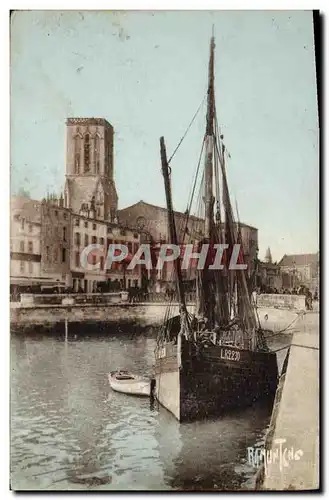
70	431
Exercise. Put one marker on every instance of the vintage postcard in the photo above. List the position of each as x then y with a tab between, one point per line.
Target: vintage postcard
164	251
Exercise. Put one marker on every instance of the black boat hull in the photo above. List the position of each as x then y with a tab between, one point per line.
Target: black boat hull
213	380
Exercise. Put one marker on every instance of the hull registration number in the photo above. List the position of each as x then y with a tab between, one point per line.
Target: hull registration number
230	355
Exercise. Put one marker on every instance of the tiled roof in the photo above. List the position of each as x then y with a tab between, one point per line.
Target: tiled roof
303	259
25	207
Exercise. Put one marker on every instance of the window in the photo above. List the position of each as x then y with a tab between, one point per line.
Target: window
109	229
77	259
64	233
109	242
63	254
56	213
77	239
102	262
30	228
55	254
109	154
94	226
86	224
87	153
30	246
22	266
77	222
21	246
65	215
136	236
101	241
31	267
47	253
86	240
96	152
22	223
94	240
77	154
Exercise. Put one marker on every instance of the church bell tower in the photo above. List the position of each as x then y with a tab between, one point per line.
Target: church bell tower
90	186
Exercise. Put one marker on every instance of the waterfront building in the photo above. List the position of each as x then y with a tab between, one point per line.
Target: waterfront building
47	240
87	231
152	222
300	269
25	256
55	239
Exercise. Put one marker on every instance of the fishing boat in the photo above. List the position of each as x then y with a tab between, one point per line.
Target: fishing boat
217	359
129	383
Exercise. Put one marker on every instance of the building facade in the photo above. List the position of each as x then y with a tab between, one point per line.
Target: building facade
55	240
300	269
47	241
25	228
152	222
90	231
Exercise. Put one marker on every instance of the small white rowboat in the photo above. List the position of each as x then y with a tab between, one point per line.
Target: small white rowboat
128	383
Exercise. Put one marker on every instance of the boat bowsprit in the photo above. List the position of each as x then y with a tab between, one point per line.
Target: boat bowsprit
129	383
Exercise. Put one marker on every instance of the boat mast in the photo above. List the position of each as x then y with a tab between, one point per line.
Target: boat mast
173	235
209	147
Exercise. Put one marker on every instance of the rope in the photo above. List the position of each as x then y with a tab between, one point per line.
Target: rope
193	189
285	329
188	128
297	345
282	348
306	346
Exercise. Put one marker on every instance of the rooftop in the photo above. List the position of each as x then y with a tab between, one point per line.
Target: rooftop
23	205
178	214
303	259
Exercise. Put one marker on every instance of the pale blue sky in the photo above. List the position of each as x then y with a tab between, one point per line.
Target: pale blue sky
146	73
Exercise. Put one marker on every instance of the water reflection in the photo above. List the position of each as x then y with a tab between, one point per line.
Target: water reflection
70	431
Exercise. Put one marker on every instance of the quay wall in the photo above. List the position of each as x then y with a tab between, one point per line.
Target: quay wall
292	441
281	301
113	308
142	313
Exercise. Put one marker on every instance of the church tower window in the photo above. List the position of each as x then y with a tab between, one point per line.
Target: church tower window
87	153
97	154
77	154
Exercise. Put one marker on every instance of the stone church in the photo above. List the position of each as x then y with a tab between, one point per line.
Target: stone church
90	187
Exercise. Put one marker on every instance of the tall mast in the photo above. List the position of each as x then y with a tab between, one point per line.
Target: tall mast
172	227
209	143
